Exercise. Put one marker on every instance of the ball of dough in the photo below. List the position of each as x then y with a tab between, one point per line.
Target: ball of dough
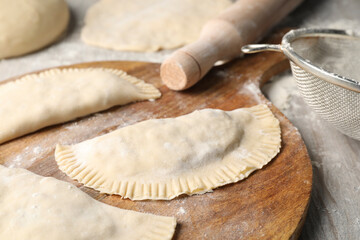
28	25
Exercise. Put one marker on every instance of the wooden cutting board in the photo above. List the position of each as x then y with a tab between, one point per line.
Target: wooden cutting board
270	204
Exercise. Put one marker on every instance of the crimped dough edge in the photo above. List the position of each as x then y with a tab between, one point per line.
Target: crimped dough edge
146	89
230	172
162	229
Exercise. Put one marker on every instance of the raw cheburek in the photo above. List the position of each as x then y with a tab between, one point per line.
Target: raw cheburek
149	25
59	95
163	158
42	208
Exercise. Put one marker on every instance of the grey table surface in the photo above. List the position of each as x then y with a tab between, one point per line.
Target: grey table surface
334	211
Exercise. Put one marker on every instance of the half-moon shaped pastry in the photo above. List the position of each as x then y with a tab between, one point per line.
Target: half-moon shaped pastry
59	95
41	208
163	158
151	25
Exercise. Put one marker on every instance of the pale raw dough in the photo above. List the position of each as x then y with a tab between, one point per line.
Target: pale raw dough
150	25
42	208
163	158
55	96
28	25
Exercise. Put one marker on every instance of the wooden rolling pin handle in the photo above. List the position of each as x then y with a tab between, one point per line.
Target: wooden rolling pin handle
246	21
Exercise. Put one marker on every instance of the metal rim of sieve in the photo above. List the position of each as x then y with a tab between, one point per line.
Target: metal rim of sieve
285	47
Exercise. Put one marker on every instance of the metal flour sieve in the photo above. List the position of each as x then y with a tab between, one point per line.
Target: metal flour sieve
326	66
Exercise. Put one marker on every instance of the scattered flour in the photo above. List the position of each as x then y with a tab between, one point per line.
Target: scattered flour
280	90
22	161
250	88
26	157
37	150
357	221
181	211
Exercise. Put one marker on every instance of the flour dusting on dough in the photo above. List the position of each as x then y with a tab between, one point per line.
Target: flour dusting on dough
164	158
150	25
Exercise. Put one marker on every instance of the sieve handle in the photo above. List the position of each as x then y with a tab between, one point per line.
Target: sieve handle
304	64
254	48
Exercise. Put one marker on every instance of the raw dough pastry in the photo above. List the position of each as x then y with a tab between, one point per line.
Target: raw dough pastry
41	208
28	25
55	96
150	25
163	158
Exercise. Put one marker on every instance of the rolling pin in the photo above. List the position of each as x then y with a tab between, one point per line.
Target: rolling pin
244	22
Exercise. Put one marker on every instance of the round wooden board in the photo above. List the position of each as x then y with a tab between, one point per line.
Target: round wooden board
270	204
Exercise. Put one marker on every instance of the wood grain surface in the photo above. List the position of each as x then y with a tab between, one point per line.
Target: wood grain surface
270	204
